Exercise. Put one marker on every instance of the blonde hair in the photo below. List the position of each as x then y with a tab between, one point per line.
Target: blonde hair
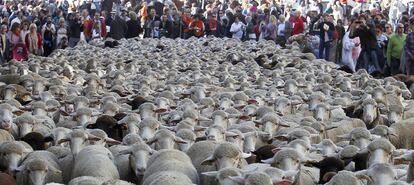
32	26
272	19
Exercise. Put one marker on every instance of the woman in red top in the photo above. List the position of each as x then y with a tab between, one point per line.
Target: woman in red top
197	27
298	25
33	41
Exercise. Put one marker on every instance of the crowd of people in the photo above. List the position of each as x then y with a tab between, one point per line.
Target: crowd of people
374	35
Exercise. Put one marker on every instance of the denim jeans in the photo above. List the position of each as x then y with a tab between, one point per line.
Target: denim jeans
324	46
369	56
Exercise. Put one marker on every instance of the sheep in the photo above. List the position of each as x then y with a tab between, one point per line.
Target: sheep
109	125
170	160
188	136
132	162
380	173
5	136
224	175
168	178
36	140
226	155
86	180
95	161
148	127
131	122
165	139
344	178
289	159
402	137
408	156
11	154
39	167
6	118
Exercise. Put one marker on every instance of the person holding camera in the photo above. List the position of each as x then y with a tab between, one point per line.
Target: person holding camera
366	33
326	30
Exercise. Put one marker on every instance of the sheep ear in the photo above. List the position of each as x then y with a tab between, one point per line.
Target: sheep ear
237	179
18	112
48	139
202	118
230	134
64	113
246	155
345	136
210	174
209	161
112	141
363	151
91	126
20	168
180	140
268	161
199	128
125	152
282	138
63	141
275	150
151	140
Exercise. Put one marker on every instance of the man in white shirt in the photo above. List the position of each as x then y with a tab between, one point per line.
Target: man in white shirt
17	19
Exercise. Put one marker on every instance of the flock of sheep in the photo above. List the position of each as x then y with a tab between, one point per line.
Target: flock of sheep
200	111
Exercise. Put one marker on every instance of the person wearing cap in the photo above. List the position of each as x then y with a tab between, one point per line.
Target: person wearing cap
394	49
409	48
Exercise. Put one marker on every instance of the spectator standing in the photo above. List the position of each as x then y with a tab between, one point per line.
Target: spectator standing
395	48
149	22
382	41
271	28
366	33
298	26
48	35
197	27
5	45
349	49
283	31
75	28
62	34
250	34
33	41
237	28
98	27
17	19
165	27
326	29
17	42
134	26
409	49
388	30
119	28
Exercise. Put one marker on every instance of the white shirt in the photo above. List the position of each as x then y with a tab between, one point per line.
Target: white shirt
15	20
281	29
237	29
